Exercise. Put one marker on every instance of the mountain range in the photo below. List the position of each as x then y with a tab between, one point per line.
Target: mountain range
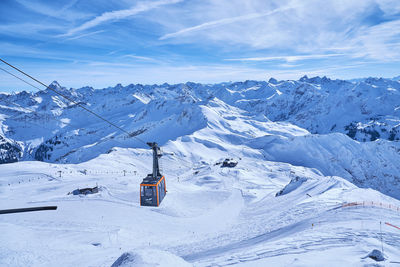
343	128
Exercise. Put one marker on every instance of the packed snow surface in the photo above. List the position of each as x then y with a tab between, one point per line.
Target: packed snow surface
304	193
210	216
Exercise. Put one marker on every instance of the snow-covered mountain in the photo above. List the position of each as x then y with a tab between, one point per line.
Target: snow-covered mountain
339	127
304	148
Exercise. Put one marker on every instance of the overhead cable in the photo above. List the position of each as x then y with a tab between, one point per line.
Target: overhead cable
66	97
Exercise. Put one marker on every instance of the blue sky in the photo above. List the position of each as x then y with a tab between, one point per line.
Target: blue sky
102	43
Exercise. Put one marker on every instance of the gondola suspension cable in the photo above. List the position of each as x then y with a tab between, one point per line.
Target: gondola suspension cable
33	111
54	119
186	165
154	182
15	76
64	96
182	163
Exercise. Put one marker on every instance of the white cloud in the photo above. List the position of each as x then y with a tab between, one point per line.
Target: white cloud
68	5
279	32
142	58
63	12
286	58
85	35
120	14
320	29
380	42
253	24
221	22
29	29
390	7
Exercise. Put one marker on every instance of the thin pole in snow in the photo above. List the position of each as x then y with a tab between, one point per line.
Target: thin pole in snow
380	226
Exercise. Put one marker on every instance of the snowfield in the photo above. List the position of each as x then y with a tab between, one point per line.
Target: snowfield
211	215
300	195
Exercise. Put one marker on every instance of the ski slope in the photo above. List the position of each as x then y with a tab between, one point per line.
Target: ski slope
286	203
211	215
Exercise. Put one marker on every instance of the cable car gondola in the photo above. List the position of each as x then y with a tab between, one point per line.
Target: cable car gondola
152	188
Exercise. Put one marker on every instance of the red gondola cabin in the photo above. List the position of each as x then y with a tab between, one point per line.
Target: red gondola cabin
152	191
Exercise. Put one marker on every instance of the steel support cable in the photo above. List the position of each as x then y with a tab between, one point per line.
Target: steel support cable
15	76
52	118
34	111
23	109
69	99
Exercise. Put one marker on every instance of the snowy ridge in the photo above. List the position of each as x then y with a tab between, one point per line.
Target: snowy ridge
262	115
365	111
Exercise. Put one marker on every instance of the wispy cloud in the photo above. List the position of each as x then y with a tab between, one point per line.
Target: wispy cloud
85	35
202	40
221	22
120	14
29	29
114	52
59	13
379	42
69	5
142	58
286	58
295	27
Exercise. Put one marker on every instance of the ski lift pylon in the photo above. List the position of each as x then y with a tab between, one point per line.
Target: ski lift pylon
152	188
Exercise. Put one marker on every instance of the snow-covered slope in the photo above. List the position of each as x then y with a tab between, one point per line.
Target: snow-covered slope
284	119
365	111
304	148
260	213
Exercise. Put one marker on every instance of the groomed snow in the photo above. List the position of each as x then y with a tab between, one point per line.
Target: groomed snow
210	216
